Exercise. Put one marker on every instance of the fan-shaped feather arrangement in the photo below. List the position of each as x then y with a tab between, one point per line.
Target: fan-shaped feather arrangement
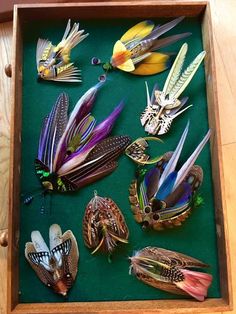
164	196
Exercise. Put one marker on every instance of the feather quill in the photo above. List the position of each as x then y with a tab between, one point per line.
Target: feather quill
171	165
189	163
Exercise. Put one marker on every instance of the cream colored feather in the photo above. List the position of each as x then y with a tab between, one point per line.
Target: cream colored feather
186	76
175	70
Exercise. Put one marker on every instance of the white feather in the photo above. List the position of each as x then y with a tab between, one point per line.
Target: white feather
189	163
38	242
170	167
55	236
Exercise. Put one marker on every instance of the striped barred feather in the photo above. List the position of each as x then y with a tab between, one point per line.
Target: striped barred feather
68	73
43	50
186	76
56	268
175	70
103	225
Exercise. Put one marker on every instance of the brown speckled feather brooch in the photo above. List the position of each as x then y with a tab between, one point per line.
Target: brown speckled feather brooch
104	225
56	267
169	271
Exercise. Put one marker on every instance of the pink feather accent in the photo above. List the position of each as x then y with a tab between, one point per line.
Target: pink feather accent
195	283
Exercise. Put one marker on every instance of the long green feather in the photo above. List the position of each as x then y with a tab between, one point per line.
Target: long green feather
187	75
175	70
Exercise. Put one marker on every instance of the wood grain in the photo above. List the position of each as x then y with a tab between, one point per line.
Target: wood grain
224	33
224	14
216	158
5	110
116	9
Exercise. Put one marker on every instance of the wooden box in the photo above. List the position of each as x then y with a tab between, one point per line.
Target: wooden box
101	10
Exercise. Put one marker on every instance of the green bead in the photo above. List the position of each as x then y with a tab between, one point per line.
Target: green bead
107	66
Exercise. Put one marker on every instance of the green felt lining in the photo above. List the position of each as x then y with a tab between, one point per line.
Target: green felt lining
97	279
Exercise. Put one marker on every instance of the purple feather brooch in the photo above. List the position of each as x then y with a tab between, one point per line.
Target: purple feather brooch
75	152
163	196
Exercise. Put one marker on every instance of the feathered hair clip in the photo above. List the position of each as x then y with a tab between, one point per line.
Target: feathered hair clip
104	225
163	196
164	106
134	52
171	271
53	62
74	152
56	267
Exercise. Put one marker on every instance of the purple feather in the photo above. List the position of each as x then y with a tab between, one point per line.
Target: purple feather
151	181
82	108
175	110
53	128
100	132
185	196
85	104
42	138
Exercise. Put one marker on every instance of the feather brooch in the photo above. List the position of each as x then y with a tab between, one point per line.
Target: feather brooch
164	196
104	225
53	62
75	152
163	106
137	151
134	52
56	267
169	271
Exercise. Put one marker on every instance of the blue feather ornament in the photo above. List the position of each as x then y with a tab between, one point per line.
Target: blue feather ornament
164	196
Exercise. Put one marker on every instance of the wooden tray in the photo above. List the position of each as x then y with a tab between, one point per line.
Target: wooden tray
119	9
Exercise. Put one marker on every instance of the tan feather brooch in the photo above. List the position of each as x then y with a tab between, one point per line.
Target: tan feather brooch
104	225
56	267
169	271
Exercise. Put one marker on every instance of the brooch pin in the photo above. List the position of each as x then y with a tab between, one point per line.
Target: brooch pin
56	267
75	152
170	271
53	62
104	225
134	52
164	106
164	196
137	151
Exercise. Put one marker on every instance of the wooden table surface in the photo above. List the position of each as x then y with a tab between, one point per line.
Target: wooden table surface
224	27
